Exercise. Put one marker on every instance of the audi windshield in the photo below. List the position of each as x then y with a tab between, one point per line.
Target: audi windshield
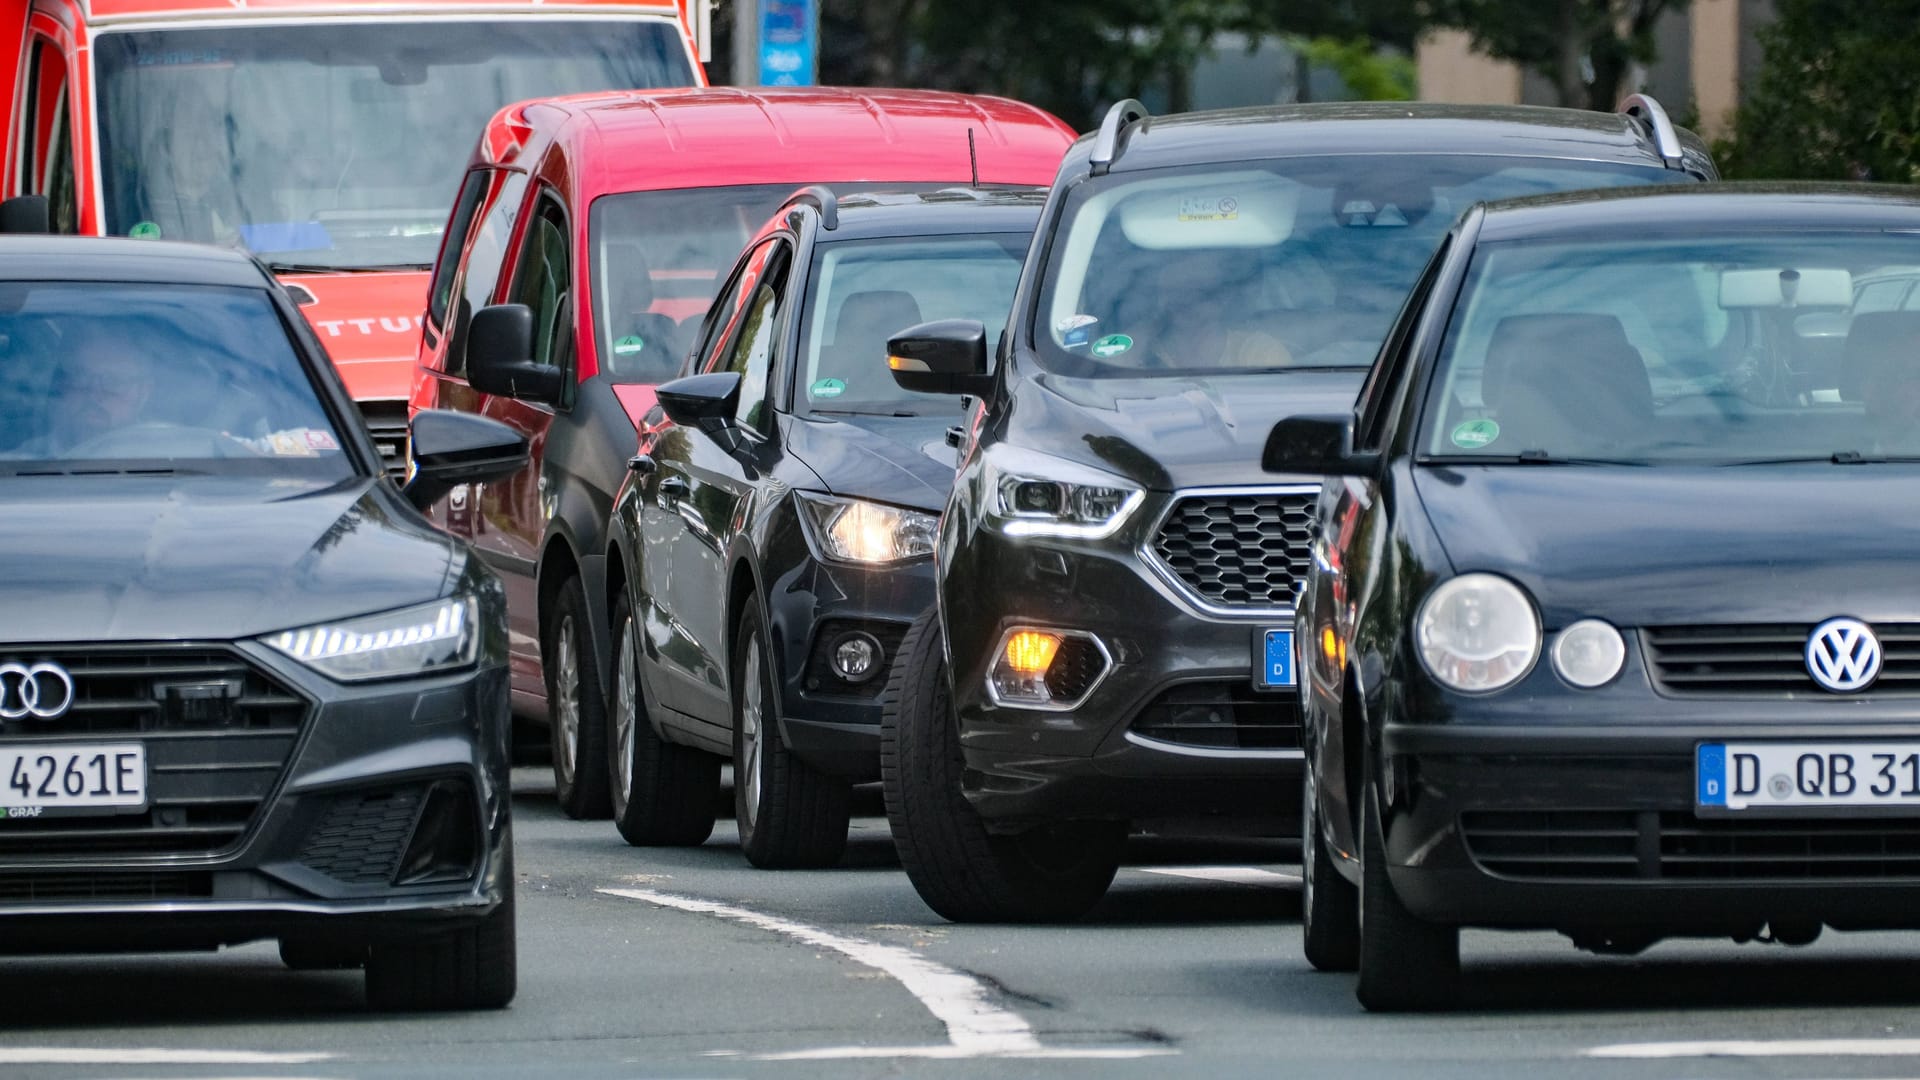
335	144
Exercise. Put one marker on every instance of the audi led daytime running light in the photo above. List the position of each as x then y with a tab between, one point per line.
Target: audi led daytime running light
411	641
870	533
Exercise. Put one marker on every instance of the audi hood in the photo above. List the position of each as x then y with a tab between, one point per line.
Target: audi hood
170	558
1665	546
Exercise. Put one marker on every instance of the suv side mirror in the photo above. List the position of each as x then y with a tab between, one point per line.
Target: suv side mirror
26	214
1316	446
701	401
500	356
453	448
944	357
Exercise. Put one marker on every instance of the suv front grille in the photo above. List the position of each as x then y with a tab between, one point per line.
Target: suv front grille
1766	660
1222	716
387	423
1240	550
217	731
1670	845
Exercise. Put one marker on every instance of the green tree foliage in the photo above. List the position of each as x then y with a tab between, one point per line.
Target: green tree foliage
1838	97
1371	74
1564	40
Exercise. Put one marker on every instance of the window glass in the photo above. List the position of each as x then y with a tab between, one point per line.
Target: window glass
478	278
1707	349
1881	296
751	356
865	291
1300	262
451	247
543	285
157	376
338	143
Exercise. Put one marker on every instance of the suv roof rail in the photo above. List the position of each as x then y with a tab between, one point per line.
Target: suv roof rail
1665	140
824	200
1106	144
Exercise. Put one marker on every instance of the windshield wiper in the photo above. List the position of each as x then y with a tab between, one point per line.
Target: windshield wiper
1838	457
330	268
861	412
1527	457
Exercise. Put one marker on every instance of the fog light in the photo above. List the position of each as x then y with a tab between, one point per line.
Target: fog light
1589	653
1019	674
856	657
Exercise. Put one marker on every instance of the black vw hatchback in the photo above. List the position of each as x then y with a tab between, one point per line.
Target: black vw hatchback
246	691
1613	627
1116	576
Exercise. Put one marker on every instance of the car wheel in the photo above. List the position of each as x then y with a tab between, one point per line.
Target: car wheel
789	813
475	967
576	709
321	955
1329	903
962	871
663	793
1406	963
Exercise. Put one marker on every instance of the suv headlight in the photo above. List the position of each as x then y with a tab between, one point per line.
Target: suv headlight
1032	494
1477	633
870	533
412	641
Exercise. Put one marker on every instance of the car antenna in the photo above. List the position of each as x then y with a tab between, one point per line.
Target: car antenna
973	158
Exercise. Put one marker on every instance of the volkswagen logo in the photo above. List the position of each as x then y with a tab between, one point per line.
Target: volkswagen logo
1843	655
43	691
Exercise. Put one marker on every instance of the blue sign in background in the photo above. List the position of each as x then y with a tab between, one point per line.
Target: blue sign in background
786	42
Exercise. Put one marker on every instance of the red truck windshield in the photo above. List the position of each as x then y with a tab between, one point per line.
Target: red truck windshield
335	144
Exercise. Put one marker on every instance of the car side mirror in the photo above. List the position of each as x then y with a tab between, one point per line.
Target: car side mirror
1316	446
500	356
944	357
453	448
26	214
705	401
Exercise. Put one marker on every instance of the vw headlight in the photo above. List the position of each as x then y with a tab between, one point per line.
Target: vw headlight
412	641
1030	494
1589	653
858	531
1478	633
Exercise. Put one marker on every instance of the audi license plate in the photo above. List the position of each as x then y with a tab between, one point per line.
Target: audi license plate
1276	666
1874	777
72	778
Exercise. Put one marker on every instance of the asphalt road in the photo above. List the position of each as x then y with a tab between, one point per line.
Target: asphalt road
651	964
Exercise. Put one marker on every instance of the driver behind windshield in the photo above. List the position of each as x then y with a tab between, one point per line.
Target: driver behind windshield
102	386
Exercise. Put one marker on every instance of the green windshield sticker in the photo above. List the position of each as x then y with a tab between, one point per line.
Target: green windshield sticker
827	388
144	230
1112	345
629	345
1474	434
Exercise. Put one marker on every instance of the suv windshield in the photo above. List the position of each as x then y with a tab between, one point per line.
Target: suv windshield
334	143
1715	350
1300	262
197	378
865	291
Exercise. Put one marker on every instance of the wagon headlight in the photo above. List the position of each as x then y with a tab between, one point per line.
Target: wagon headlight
1589	653
1032	494
412	641
871	533
1477	634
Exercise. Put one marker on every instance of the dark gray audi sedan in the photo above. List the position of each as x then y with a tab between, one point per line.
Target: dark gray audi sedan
246	691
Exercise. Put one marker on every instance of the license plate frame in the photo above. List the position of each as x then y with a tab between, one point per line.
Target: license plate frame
106	773
1803	778
1278	669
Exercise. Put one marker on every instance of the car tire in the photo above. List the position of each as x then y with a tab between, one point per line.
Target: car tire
576	707
1329	903
321	955
790	814
474	967
962	871
1406	963
663	794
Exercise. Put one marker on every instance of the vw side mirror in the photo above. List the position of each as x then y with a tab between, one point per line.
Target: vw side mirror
944	357
701	401
1316	446
452	448
500	356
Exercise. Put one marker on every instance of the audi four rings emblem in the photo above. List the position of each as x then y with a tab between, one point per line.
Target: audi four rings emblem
43	691
1843	655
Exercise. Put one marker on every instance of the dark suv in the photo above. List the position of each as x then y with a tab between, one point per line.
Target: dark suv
1116	575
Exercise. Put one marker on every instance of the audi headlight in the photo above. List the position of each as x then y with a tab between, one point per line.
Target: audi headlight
858	531
412	641
1030	494
1478	633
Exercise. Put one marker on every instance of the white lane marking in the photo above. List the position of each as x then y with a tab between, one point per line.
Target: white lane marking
1238	875
1761	1048
88	1055
975	1026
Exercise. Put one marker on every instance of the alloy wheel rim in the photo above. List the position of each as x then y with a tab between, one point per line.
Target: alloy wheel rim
566	682
752	707
626	718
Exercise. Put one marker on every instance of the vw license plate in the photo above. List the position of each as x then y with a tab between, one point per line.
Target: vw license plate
72	778
1882	777
1276	667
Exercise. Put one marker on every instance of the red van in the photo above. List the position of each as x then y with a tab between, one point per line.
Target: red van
322	135
611	218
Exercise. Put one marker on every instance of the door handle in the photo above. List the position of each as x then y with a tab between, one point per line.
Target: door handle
642	464
673	487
